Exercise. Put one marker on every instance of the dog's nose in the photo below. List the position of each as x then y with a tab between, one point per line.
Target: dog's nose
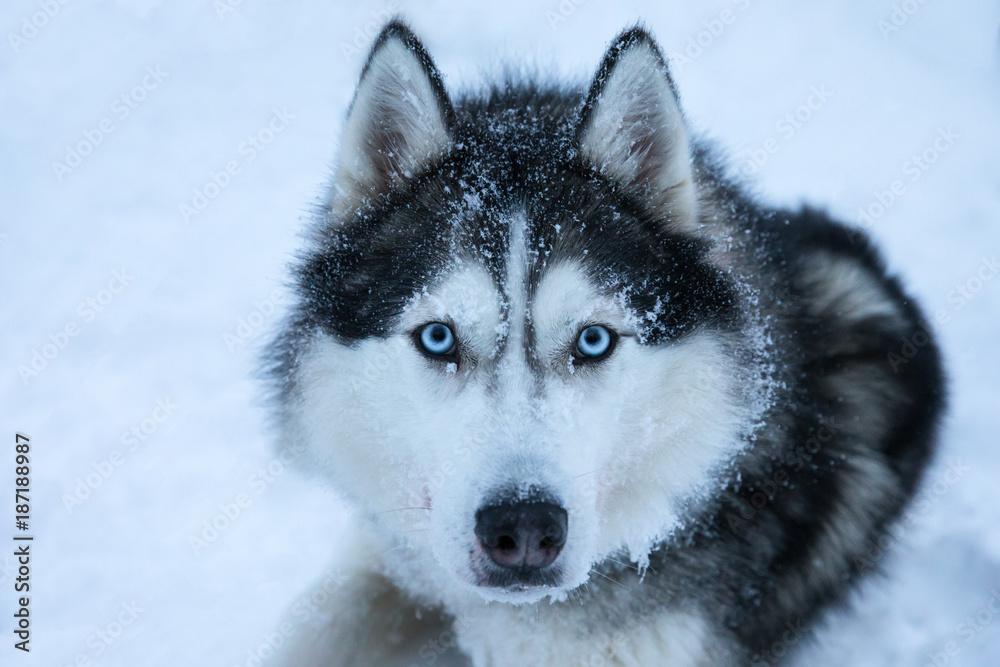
522	536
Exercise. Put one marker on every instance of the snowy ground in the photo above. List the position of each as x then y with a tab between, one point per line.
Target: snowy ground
145	422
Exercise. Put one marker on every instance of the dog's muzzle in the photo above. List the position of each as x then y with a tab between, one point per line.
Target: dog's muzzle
522	539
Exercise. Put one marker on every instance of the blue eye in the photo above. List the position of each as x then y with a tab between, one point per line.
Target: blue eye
594	342
437	339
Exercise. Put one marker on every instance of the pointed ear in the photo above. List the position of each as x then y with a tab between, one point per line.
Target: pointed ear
399	120
632	129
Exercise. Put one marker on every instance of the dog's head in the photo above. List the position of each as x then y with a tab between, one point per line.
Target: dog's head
512	348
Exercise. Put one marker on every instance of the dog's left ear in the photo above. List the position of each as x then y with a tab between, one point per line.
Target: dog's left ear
631	128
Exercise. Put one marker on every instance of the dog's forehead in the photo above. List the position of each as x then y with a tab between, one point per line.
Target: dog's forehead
562	290
549	299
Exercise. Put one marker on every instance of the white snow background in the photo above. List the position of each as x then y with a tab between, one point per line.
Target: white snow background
224	69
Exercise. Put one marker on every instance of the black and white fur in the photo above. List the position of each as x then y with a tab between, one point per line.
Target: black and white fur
723	471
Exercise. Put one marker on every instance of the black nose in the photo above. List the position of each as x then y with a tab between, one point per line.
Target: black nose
522	536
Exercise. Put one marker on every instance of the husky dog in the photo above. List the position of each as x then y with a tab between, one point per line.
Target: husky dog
593	405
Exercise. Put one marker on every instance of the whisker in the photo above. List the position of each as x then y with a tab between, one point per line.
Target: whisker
627	566
610	579
399	509
632	567
399	546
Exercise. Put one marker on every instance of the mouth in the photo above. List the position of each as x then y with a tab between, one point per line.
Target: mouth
515	582
488	575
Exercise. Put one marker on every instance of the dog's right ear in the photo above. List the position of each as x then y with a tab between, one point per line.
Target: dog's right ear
398	122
